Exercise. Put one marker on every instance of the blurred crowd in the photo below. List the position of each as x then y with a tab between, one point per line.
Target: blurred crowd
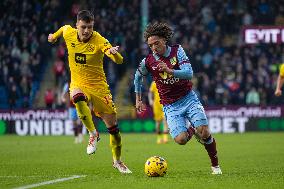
24	52
227	71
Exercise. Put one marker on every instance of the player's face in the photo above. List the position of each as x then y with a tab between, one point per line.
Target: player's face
157	45
85	29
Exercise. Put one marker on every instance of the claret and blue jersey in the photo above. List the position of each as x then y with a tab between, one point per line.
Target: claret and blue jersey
170	87
180	102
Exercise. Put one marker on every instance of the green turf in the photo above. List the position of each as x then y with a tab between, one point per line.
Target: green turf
252	160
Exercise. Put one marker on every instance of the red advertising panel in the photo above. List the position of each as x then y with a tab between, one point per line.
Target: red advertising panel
263	34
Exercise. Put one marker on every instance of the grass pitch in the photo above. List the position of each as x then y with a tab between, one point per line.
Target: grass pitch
251	160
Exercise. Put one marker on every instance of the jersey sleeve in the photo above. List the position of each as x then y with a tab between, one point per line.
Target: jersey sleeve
185	71
140	72
182	57
61	31
105	46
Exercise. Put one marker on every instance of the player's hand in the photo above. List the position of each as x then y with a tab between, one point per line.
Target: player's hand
113	50
51	39
162	66
140	106
278	92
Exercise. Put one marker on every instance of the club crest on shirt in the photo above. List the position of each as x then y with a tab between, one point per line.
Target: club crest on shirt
90	47
173	60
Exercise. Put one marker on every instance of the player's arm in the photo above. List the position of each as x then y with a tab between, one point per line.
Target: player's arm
185	71
52	37
280	82
112	52
140	72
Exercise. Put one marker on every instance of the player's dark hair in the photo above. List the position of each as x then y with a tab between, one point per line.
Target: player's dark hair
85	15
160	29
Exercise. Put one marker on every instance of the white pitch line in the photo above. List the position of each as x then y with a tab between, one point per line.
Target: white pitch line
50	182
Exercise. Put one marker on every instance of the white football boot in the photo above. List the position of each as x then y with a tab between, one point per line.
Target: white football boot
216	170
121	167
92	146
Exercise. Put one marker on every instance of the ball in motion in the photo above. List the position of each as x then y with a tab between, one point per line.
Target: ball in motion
156	166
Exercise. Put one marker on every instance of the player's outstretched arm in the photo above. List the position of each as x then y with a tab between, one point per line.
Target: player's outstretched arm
114	55
52	37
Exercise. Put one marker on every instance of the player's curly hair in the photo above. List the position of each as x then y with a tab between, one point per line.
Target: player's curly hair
160	29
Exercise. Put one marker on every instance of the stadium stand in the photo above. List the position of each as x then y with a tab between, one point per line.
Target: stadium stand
227	72
24	49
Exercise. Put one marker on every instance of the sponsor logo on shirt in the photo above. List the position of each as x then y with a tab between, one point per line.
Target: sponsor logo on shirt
168	78
80	58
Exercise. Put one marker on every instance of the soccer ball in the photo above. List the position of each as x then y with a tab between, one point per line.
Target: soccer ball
156	166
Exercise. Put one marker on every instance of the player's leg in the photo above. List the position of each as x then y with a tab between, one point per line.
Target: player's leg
105	108
115	141
210	146
175	116
84	113
197	117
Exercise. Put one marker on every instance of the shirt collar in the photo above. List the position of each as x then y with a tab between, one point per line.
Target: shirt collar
166	54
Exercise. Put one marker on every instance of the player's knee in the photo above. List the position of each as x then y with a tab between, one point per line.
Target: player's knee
181	139
79	97
113	130
203	131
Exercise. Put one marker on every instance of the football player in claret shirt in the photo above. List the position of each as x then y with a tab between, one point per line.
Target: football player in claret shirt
154	101
86	49
172	72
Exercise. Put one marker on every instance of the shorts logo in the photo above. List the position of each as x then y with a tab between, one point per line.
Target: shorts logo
80	58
